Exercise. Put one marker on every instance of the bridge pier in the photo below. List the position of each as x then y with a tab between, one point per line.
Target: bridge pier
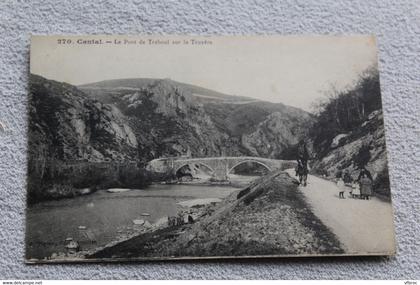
221	171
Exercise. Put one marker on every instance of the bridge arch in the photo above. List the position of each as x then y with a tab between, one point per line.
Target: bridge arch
181	165
249	160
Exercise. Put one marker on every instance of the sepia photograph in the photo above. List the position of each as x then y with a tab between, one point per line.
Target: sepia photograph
184	147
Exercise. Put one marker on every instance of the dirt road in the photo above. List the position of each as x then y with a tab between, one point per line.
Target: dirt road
362	226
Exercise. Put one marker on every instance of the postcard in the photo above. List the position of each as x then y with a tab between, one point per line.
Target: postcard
186	147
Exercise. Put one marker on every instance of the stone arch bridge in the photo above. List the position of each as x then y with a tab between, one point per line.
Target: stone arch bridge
220	167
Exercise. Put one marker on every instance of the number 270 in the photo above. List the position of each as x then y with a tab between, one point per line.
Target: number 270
63	41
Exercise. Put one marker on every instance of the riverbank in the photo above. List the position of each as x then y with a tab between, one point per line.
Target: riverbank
270	217
236	181
107	217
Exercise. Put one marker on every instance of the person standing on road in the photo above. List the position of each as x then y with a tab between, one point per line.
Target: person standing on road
355	193
302	160
303	155
341	188
366	181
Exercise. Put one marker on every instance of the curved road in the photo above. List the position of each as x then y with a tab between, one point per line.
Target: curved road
363	226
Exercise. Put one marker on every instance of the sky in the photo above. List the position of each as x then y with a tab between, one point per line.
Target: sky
294	70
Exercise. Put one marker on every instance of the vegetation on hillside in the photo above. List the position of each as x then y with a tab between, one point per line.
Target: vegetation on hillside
55	179
76	144
344	111
348	133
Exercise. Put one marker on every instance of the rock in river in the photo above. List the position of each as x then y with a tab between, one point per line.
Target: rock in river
117	190
138	222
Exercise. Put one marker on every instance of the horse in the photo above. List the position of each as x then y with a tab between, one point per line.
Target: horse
302	172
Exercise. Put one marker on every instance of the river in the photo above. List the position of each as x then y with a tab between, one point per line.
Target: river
99	218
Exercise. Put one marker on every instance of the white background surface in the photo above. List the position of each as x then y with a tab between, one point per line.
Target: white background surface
397	26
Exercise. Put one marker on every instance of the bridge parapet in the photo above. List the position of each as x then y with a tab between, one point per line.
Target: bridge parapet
220	167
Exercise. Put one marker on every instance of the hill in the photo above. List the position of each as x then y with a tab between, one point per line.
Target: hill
142	83
76	144
232	124
113	126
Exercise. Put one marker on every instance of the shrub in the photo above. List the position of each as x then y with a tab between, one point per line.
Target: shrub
362	157
381	184
133	177
61	179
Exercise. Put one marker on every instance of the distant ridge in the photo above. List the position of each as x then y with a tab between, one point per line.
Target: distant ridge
147	82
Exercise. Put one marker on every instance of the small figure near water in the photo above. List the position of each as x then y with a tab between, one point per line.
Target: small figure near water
179	220
171	221
176	220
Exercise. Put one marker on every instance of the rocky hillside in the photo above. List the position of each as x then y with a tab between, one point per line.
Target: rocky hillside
175	118
76	144
165	120
348	134
65	124
365	145
246	223
99	128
